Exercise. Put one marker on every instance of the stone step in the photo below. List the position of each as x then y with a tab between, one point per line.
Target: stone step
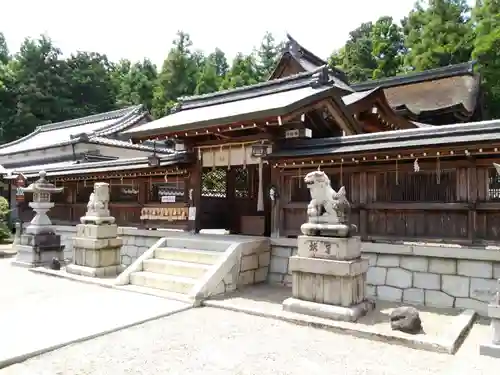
188	255
155	292
175	284
204	243
175	268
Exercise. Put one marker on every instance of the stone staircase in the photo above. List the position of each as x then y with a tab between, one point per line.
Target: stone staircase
187	268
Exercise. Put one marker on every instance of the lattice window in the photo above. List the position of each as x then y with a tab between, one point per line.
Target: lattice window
423	186
300	193
493	185
242	182
214	182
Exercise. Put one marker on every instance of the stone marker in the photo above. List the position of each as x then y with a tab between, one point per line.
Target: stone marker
328	273
406	319
39	244
96	247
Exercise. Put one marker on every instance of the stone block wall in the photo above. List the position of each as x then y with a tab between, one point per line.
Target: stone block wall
415	273
135	241
254	265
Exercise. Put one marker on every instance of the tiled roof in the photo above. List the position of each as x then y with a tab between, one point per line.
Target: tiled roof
73	168
68	132
453	87
123	144
398	139
267	99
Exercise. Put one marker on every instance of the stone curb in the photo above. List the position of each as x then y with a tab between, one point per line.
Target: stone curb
7	254
76	278
4	362
449	345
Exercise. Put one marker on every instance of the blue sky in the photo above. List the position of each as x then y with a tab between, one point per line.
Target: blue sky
146	28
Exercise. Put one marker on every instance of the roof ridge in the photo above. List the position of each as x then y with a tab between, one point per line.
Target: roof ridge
117	113
274	82
318	77
414	77
120	143
130	118
75	122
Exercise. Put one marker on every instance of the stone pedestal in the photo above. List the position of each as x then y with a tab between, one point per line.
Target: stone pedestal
493	349
36	250
96	251
328	278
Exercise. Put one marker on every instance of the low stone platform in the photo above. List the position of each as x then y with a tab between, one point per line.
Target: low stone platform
444	329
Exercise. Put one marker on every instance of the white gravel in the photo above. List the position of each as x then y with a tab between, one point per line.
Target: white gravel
213	341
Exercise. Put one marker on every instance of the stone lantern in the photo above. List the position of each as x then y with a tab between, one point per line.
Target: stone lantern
39	245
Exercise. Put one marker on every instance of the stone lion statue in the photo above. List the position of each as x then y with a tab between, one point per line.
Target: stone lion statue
333	207
99	199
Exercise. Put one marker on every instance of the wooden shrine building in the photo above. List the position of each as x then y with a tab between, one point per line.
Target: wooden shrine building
212	162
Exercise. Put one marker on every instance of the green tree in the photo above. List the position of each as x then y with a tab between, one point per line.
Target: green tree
268	53
359	62
438	33
486	17
90	84
243	72
4	50
39	75
387	48
212	73
137	85
118	73
5	233
220	62
8	102
178	76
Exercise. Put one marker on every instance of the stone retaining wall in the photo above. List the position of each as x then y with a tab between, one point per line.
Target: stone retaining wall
415	273
135	241
254	265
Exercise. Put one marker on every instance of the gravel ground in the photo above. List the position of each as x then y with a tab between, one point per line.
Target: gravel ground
39	311
213	341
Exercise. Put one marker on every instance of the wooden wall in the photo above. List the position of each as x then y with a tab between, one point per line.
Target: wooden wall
445	201
130	200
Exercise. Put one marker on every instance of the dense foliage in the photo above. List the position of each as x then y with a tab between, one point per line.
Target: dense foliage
39	86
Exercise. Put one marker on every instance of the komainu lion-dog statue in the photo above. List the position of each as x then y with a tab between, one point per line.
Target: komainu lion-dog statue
329	210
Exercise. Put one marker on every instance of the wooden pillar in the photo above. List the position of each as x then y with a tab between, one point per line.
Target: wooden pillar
144	187
275	179
194	186
363	214
268	205
472	199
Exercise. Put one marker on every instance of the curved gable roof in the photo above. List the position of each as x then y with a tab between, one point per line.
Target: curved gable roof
67	132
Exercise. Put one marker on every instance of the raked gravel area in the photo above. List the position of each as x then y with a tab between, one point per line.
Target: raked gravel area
214	341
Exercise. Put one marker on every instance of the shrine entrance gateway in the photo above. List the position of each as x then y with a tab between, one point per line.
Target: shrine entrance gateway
229	194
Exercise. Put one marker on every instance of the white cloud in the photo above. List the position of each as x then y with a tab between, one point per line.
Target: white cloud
146	28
